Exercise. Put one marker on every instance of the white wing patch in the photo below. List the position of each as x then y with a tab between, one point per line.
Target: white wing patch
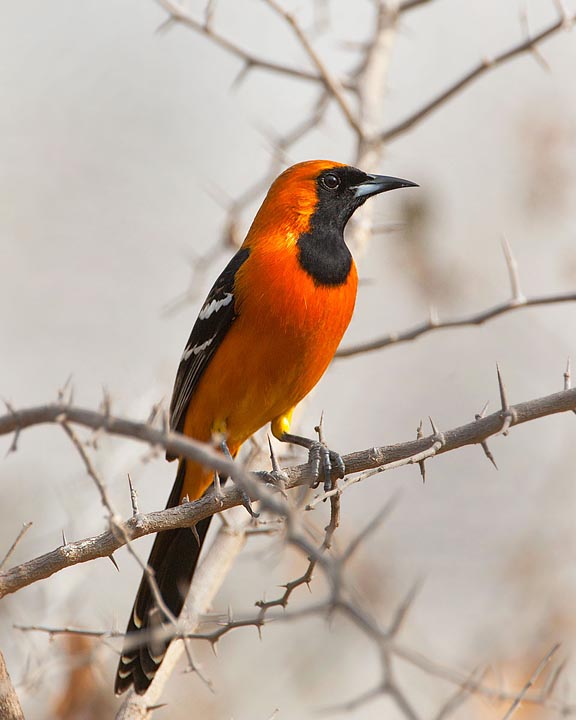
196	349
215	305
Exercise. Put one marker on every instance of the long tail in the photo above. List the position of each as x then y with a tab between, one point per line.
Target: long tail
173	559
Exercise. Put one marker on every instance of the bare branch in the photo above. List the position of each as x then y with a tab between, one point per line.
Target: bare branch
208	579
180	15
23	530
465	321
9	704
190	513
564	22
541	665
408	5
330	81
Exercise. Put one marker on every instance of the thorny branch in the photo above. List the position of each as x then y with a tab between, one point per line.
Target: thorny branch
179	14
530	44
186	515
332	83
367	83
434	323
341	599
517	300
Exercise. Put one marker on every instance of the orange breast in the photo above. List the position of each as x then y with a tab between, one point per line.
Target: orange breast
286	334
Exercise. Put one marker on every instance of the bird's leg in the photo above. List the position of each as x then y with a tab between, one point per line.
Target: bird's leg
323	461
275	478
245	499
218	486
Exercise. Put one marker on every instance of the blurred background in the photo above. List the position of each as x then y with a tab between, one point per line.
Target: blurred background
121	149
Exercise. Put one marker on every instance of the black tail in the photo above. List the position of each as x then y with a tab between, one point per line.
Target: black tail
173	559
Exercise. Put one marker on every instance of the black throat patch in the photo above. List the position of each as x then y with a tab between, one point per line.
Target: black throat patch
322	252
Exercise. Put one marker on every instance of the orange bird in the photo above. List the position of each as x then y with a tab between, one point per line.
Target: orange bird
264	337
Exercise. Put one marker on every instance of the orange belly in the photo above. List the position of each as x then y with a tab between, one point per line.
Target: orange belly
273	355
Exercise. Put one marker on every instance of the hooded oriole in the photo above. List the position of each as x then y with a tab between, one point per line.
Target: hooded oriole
264	337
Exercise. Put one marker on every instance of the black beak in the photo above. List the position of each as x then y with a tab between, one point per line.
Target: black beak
375	184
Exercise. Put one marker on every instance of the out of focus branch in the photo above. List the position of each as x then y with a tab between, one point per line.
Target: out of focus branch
565	21
530	682
207	581
186	515
179	14
9	704
330	81
433	323
408	5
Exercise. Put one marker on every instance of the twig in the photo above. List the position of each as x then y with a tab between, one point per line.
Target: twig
180	15
88	464
408	5
521	695
116	524
187	515
483	67
468	320
330	81
208	579
23	530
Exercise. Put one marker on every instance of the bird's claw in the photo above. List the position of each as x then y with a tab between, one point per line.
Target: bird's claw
323	462
247	504
274	480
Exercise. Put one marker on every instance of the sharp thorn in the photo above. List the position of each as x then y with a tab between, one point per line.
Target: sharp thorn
113	561
517	295
133	497
488	453
422	466
567	378
482	412
502	389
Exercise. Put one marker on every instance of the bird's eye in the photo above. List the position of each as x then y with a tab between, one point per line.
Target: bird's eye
331	181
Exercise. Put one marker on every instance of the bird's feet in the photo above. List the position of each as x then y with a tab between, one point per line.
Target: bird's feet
325	464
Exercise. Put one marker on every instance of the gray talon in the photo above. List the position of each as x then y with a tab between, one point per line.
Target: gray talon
248	505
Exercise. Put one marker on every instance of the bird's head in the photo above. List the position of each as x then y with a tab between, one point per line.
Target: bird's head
322	190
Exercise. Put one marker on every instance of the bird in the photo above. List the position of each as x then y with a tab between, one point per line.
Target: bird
263	338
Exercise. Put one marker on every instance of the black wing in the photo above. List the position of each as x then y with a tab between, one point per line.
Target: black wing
214	320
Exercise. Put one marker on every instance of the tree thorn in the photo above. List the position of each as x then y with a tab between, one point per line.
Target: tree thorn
503	396
133	497
488	453
319	429
517	295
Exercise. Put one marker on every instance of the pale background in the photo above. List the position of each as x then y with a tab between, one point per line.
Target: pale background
119	150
